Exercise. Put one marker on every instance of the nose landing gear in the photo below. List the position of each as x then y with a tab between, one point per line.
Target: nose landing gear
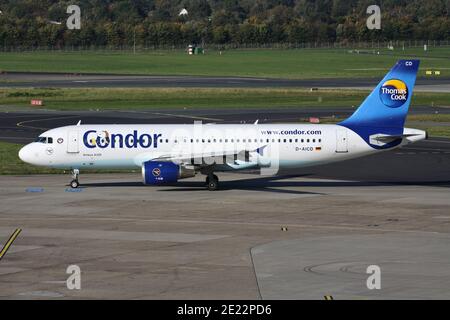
74	183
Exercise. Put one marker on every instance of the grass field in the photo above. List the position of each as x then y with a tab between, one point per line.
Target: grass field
11	164
139	98
298	63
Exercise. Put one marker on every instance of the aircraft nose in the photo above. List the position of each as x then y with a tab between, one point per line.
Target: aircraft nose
25	154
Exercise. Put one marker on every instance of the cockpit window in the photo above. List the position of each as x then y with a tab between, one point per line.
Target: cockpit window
48	140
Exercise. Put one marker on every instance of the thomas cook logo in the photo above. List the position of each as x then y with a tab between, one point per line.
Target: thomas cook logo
394	93
156	172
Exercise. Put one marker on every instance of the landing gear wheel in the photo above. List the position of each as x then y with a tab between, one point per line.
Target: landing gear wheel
74	184
212	182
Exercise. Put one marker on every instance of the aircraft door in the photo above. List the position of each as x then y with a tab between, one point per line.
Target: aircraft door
72	142
341	141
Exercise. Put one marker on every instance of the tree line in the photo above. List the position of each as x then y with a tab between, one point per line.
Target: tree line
35	23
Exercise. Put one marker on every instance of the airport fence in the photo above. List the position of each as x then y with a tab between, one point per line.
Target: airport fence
372	45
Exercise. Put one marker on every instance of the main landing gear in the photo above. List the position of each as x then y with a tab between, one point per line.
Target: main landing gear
74	183
212	182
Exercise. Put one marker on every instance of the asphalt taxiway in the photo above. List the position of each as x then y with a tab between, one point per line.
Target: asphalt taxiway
256	238
301	235
61	80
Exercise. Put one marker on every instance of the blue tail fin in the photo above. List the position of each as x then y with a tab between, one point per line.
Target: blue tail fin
384	110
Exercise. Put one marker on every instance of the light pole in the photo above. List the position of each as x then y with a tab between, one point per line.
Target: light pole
55	23
134	40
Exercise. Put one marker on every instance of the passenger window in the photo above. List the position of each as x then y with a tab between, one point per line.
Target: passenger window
50	140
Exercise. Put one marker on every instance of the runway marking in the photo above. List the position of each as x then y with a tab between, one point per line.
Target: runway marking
422	152
224	222
437	141
9	243
16	138
90	234
21	124
426	149
366	69
328	297
186	116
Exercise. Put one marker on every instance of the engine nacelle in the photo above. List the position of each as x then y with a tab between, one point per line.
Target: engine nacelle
161	172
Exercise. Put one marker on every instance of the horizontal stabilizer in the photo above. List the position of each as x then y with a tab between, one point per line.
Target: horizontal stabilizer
383	139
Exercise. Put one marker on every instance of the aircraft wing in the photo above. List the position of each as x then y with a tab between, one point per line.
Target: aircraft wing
213	156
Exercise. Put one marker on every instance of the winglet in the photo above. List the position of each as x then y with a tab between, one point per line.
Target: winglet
260	150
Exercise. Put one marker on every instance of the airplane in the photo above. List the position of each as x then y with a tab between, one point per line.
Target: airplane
166	153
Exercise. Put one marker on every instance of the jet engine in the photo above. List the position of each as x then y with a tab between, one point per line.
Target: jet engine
161	172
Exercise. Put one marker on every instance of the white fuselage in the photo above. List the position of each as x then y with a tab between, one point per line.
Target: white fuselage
274	146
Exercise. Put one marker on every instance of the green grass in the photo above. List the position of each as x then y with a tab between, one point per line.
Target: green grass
301	63
11	164
430	117
113	99
443	131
